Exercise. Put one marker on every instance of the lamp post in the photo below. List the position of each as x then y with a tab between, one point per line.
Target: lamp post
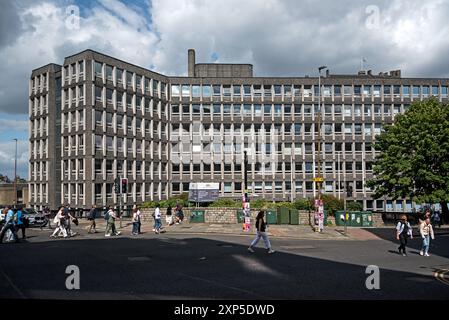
15	175
319	183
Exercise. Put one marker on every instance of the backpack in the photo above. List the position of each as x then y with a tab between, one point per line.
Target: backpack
106	215
405	230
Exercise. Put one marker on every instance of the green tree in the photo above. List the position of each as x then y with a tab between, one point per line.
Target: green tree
414	155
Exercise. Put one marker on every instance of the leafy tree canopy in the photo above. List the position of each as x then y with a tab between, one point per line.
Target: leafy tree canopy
414	155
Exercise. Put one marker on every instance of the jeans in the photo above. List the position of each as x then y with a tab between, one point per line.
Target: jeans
264	236
135	227
111	227
403	240
21	227
9	226
157	224
425	244
139	225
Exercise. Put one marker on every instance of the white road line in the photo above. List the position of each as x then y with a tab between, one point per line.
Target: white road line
16	289
223	285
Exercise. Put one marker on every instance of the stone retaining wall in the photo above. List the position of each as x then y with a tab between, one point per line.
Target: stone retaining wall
229	216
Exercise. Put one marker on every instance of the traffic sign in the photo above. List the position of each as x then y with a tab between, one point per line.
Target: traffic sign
318	179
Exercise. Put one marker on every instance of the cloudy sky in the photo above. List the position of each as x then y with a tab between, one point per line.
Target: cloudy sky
279	37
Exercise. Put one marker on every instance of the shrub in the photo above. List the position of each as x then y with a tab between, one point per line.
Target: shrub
302	204
354	206
225	203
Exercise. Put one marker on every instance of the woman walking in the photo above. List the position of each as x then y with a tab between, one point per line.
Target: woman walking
426	231
157	219
60	224
403	231
261	233
168	216
135	221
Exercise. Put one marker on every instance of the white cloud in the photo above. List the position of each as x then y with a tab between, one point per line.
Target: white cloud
7	154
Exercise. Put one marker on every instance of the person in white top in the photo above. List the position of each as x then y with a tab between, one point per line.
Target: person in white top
60	224
426	231
157	220
139	223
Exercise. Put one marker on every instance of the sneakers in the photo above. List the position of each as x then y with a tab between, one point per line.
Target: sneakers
271	251
404	254
421	253
427	255
118	233
107	235
250	250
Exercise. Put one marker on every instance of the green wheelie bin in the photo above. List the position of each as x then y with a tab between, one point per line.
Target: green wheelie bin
271	216
294	216
283	216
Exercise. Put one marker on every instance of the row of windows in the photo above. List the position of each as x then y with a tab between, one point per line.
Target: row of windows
39	148
278	187
259	130
39	105
39	83
39	126
121	166
120	122
126	101
110	143
38	170
39	192
286	148
144	191
287	109
206	90
279	167
72	70
132	80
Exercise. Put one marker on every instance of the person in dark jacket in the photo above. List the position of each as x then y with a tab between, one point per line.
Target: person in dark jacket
20	222
403	232
91	217
261	233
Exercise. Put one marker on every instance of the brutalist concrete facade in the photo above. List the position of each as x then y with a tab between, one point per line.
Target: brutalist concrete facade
164	132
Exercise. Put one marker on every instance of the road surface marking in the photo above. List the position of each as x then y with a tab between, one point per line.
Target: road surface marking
16	289
440	275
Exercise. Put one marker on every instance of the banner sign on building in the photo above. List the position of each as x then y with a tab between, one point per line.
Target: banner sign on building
204	192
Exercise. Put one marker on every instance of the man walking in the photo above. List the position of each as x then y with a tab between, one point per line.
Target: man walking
91	217
20	222
111	215
10	219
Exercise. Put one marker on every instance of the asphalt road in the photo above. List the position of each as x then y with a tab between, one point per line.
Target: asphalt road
169	266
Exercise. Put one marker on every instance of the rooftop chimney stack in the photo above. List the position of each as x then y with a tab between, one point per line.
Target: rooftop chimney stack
191	63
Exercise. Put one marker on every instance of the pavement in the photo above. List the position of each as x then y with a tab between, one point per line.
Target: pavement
278	231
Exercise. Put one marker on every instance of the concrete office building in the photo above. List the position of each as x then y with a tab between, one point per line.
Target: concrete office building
96	117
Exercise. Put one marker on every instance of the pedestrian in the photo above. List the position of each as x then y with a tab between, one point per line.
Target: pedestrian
20	222
10	224
68	218
436	219
168	216
60	224
139	222
403	231
46	213
135	221
157	219
92	215
261	233
426	231
112	216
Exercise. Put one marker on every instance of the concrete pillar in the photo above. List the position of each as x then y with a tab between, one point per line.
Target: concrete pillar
191	63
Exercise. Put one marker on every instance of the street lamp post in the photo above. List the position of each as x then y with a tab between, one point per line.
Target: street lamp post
319	183
15	174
